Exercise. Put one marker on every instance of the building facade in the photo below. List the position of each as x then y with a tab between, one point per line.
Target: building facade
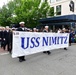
61	7
64	14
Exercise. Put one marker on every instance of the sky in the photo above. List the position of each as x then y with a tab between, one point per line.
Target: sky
2	2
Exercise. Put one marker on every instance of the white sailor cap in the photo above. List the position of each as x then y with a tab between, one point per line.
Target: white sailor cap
7	26
34	28
13	28
22	23
63	29
46	26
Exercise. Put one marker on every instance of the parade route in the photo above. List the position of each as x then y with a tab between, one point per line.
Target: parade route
37	37
60	62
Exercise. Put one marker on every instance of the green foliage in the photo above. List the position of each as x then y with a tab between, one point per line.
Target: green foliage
4	14
29	11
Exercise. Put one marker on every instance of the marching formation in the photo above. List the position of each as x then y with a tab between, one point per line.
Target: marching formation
6	34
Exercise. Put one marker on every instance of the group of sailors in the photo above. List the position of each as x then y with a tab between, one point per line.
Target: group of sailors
6	37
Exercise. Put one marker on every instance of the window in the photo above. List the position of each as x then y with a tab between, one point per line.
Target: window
58	10
52	11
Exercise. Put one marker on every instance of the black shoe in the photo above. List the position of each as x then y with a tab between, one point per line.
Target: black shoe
48	52
24	59
65	48
44	51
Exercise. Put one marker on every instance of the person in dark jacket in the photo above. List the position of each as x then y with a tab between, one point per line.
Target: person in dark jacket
21	28
70	37
7	38
3	45
0	35
11	39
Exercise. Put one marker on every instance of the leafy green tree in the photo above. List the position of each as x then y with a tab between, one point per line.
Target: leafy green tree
28	11
4	14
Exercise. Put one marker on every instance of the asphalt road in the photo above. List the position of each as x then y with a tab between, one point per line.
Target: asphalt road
60	62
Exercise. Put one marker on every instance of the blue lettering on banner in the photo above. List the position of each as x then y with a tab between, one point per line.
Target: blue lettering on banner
49	41
54	39
35	42
45	41
31	42
57	40
23	42
65	41
61	38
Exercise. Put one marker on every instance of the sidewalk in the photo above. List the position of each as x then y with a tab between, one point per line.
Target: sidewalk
3	52
60	62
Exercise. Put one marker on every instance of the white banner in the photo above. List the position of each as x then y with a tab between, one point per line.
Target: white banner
26	43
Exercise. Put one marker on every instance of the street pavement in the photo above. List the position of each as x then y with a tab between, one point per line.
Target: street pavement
60	62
